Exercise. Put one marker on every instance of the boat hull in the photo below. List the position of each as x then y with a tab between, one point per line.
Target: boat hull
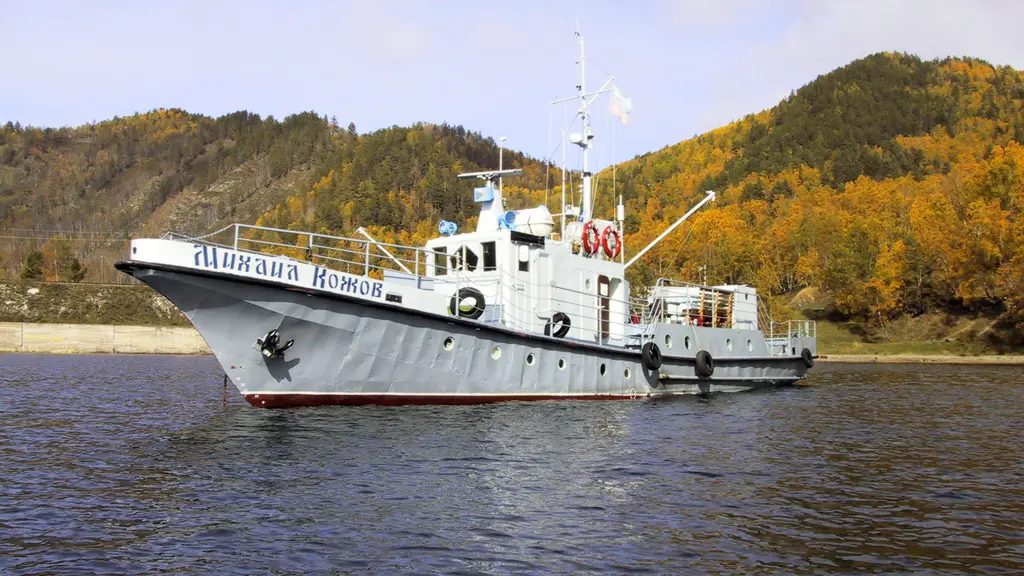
350	351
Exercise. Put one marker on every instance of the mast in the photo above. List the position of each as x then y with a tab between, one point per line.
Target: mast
583	139
562	235
587	135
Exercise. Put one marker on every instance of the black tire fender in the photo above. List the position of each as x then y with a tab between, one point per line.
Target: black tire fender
455	306
650	355
807	357
561	320
704	364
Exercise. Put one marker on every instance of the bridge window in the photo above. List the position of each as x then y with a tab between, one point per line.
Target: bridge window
465	259
490	257
471	259
440	261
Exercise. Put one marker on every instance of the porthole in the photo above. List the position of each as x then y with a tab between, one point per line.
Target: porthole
586	284
750	346
530	359
603	369
449	344
668	342
135	250
626	373
496	352
794	351
686	342
728	344
561	363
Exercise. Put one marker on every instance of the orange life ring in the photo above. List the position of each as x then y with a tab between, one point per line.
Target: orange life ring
610	252
590	246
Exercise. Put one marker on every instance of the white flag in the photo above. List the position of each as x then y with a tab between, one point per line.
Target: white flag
620	105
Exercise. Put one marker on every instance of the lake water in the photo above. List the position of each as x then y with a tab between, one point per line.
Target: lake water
131	464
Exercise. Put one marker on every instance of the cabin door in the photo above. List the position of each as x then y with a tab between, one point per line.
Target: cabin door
523	294
604	304
542	286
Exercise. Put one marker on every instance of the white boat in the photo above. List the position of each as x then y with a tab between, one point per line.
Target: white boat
513	310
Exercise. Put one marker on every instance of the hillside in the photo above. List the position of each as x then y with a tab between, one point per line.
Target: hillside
95	185
892	184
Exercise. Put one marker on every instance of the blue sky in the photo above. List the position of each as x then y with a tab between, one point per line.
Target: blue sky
688	66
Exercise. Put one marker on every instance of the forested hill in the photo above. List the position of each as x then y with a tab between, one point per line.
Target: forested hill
893	184
76	193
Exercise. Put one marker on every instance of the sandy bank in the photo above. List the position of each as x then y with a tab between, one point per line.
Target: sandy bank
920	359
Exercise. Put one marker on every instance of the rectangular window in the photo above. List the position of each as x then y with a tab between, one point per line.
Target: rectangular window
440	261
490	257
524	265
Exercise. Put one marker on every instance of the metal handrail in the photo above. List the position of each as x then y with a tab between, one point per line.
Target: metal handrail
337	251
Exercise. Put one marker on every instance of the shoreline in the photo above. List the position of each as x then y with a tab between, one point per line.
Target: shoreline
43	338
991	360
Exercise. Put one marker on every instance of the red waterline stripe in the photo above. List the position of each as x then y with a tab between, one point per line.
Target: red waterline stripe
291	400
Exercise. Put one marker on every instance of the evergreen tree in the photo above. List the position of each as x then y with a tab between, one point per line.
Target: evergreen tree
60	257
32	267
77	273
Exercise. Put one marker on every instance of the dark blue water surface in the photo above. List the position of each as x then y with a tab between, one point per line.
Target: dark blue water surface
115	464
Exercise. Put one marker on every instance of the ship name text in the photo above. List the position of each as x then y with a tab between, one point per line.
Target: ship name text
280	268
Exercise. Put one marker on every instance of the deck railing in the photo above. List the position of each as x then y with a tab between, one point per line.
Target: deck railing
344	254
706	306
703	305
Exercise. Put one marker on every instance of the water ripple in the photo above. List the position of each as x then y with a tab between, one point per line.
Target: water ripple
136	465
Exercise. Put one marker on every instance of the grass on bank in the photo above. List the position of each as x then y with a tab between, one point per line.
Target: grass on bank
51	302
932	333
837	338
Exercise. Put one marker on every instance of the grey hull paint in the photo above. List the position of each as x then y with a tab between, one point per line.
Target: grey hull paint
348	351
